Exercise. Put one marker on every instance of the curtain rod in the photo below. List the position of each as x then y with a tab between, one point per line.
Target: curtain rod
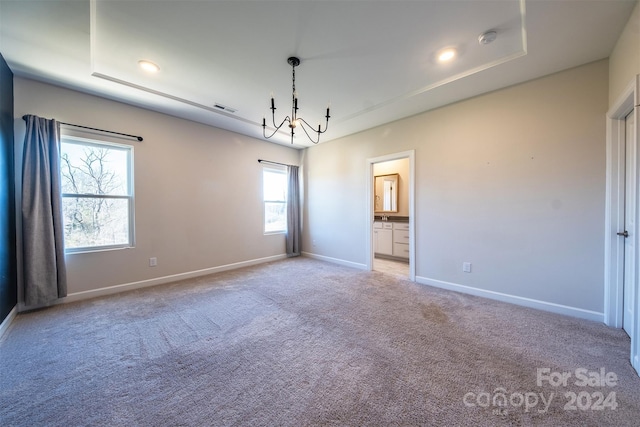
139	138
273	163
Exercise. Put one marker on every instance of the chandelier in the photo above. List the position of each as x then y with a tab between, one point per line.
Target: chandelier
293	120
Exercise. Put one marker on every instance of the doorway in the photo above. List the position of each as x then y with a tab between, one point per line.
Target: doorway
622	261
630	228
396	252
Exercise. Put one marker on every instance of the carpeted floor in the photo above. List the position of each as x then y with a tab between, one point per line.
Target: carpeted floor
302	342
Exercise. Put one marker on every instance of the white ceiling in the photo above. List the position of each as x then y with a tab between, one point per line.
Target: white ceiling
373	60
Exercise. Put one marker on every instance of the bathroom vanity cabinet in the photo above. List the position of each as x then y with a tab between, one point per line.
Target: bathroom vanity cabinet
391	239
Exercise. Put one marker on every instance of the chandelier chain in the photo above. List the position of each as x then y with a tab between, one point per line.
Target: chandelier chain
294	107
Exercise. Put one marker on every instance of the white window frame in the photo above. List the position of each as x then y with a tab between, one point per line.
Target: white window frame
279	170
129	197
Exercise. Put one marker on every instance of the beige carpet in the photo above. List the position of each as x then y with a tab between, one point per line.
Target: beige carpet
303	342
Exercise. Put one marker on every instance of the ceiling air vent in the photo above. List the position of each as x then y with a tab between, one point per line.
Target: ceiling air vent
225	108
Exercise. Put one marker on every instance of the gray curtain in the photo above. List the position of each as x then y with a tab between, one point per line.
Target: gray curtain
293	212
44	271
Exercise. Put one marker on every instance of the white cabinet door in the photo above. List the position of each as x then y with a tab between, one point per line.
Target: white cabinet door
375	241
383	241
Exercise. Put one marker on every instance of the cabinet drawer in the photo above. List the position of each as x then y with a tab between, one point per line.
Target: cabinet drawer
377	225
387	225
401	237
401	226
401	250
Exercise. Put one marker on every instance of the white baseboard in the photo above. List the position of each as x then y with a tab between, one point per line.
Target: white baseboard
4	326
336	260
78	296
514	299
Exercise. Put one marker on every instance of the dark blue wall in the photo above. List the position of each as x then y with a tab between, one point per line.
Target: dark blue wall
8	284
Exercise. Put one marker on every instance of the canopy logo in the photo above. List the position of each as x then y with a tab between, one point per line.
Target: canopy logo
589	396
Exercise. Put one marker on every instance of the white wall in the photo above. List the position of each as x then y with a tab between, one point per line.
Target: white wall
511	181
624	62
198	190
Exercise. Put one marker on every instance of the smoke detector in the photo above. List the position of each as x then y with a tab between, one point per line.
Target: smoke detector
487	37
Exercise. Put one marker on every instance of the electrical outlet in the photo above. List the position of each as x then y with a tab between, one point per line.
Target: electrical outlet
153	261
466	267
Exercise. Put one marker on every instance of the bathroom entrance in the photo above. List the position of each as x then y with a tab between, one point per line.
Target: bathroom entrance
390	213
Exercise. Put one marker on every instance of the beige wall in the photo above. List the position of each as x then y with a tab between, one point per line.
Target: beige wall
511	181
624	62
401	167
198	189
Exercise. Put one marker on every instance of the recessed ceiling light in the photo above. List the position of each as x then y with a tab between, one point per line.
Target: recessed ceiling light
148	66
446	54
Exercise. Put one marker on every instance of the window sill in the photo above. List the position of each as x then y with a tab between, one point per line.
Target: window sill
93	250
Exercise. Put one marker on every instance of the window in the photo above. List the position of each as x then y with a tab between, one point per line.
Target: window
97	194
274	190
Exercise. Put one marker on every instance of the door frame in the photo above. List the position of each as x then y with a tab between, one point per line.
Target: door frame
369	214
615	216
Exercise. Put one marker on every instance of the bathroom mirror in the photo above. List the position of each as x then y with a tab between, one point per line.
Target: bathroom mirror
386	193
